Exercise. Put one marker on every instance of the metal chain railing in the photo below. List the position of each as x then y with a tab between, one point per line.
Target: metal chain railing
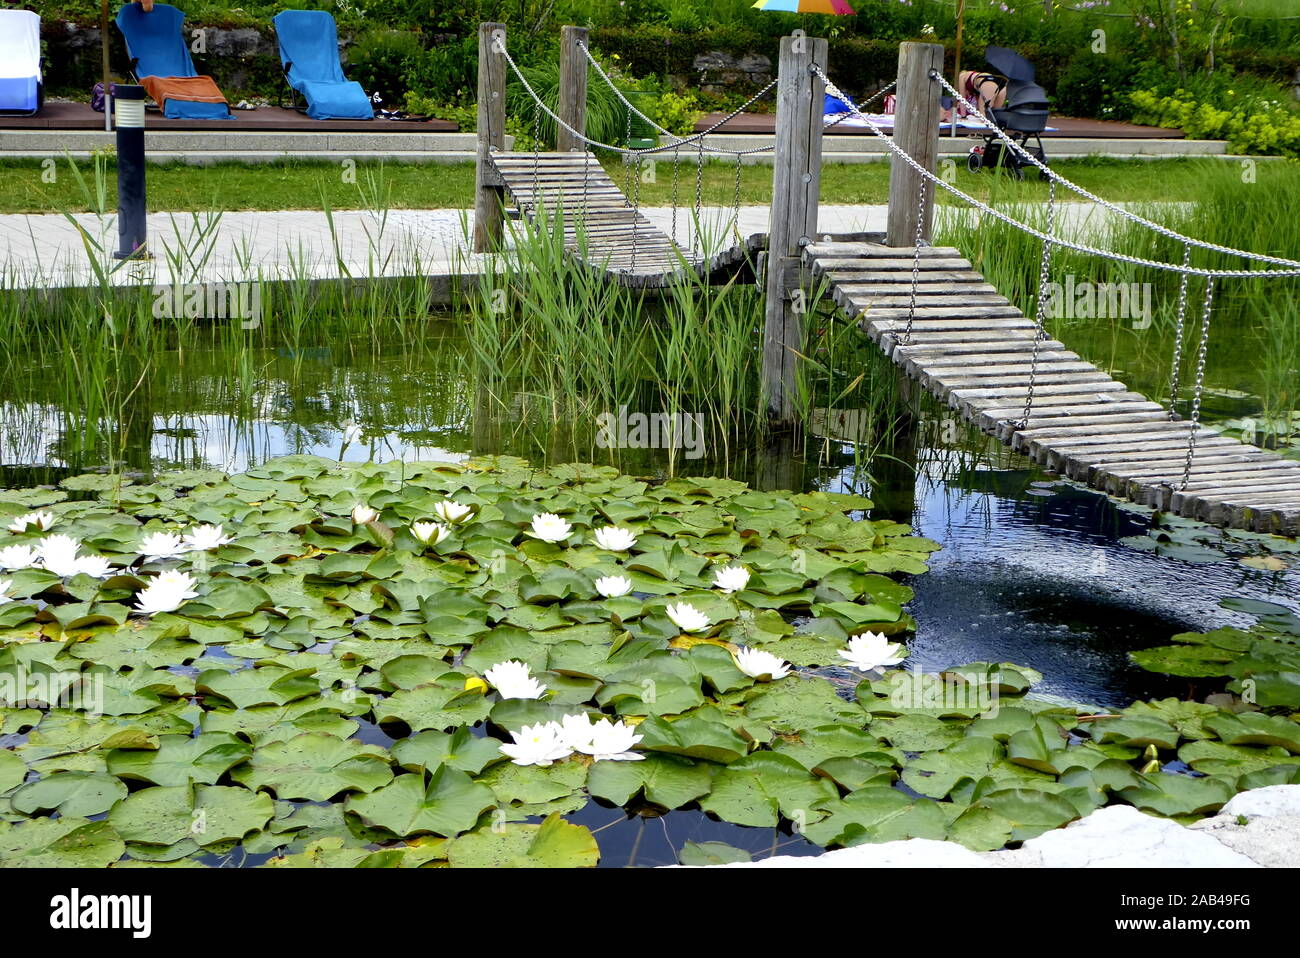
1002	217
916	263
1040	310
1105	204
676	140
1180	325
1194	423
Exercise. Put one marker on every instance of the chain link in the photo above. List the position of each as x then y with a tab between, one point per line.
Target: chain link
735	215
916	261
1040	311
1194	425
677	156
697	244
537	160
1176	372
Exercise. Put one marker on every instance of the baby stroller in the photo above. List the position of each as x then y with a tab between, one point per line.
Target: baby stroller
1022	117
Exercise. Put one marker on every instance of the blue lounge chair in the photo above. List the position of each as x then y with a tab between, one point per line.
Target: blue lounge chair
160	60
21	89
309	53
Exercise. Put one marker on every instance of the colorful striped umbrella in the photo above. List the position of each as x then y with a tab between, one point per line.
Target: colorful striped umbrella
834	7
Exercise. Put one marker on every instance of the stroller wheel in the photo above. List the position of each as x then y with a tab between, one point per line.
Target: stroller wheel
974	162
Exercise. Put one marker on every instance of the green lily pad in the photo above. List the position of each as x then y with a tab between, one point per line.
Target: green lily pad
447	804
553	844
314	767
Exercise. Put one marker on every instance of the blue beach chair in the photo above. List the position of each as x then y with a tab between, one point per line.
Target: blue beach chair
309	53
160	60
21	89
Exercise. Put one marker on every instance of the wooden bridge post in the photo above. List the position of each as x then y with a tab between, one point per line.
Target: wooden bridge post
489	212
573	89
796	189
916	131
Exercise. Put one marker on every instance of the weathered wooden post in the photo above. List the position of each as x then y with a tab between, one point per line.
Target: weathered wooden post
916	131
796	189
489	218
573	89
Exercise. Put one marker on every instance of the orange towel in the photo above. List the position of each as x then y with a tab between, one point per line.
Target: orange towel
195	89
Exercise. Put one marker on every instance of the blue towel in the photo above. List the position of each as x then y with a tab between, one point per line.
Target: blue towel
309	52
156	41
834	105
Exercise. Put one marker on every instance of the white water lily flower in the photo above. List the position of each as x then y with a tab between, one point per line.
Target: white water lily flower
5	586
612	586
549	527
163	545
429	533
687	618
41	520
577	731
449	510
167	593
870	652
612	742
58	554
615	539
18	557
206	537
361	514
731	578
539	744
96	567
513	680
758	664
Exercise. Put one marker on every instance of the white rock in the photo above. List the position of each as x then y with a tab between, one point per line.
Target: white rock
1271	833
1270	800
910	853
1119	836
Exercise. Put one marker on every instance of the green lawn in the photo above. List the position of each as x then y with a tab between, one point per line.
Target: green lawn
312	185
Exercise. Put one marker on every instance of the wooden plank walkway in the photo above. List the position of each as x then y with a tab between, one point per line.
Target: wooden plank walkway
600	224
971	348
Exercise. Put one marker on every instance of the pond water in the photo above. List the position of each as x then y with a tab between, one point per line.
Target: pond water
1032	571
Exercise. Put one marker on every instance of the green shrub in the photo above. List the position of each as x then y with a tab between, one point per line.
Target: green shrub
678	113
379	60
606	116
1273	130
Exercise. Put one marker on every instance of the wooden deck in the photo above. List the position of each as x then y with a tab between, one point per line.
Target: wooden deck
69	115
1064	127
971	348
601	226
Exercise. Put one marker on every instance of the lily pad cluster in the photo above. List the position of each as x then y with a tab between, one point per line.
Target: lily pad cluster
338	692
1175	537
1262	662
341	606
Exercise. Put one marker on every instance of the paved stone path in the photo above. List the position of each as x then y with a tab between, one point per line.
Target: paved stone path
51	250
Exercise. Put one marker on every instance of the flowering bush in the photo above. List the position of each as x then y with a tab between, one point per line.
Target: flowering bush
1271	130
678	113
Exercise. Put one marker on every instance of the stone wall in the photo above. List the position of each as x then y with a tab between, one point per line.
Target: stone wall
721	72
241	58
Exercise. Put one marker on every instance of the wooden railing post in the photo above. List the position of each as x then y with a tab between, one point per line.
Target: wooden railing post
916	131
573	89
489	214
796	189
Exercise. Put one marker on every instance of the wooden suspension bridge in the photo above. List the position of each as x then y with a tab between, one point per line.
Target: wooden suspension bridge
929	310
